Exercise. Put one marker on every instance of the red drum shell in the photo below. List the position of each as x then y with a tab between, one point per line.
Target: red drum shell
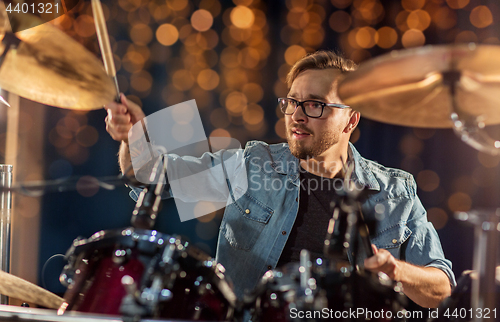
199	290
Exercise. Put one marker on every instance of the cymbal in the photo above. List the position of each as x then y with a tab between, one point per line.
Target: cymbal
421	87
13	286
52	68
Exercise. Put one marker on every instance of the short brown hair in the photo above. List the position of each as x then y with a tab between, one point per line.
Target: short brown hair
320	60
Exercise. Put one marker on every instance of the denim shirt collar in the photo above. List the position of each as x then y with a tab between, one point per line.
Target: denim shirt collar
285	163
362	172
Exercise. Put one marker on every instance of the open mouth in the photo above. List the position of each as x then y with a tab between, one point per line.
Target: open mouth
299	134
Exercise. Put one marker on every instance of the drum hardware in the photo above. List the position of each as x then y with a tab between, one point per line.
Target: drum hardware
149	202
164	276
279	296
441	87
457	307
347	230
486	226
5	222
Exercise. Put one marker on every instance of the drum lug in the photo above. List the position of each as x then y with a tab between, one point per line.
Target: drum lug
67	274
120	256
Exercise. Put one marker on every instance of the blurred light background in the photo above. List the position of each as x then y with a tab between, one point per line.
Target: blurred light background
232	58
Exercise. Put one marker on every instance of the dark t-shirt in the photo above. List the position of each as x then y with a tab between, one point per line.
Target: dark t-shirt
316	204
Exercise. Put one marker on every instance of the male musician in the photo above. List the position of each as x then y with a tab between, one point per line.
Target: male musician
268	227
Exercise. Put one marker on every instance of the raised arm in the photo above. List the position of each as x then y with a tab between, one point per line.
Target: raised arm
120	118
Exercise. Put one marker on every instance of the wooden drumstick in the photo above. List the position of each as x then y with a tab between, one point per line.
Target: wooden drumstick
103	38
13	286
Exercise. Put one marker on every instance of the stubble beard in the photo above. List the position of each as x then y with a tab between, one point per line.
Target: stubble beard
302	151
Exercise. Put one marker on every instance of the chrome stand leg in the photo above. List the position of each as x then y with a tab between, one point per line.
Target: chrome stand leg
5	222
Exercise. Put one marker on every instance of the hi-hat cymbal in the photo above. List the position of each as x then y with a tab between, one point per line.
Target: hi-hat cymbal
413	87
50	67
13	286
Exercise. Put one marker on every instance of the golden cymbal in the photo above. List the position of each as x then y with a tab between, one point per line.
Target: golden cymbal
13	286
417	87
50	67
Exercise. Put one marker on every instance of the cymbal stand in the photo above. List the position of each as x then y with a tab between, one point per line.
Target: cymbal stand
468	128
5	222
486	227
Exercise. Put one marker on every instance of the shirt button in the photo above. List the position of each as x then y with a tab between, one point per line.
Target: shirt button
283	232
394	241
269	267
297	199
247	211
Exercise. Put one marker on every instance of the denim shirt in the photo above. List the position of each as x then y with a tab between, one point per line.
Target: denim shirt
256	225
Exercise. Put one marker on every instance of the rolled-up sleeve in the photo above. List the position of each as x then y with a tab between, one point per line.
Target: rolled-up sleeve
424	246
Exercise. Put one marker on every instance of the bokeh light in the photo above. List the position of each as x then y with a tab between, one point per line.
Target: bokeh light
418	19
410	145
87	186
242	17
208	79
481	17
280	128
411	5
340	21
386	37
457	4
459	201
293	53
413	38
141	34
202	20
438	217
167	34
428	180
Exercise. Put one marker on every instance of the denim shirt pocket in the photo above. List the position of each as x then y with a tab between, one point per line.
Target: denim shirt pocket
392	238
244	221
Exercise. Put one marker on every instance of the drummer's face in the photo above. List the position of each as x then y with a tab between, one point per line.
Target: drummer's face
314	137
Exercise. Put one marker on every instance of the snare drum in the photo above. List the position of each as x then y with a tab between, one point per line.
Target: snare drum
166	277
329	295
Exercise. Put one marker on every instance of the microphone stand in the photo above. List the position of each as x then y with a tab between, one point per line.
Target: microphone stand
149	201
347	223
345	226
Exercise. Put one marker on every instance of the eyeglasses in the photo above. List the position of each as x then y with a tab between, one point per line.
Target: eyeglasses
311	108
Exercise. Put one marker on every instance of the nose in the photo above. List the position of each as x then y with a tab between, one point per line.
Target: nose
299	116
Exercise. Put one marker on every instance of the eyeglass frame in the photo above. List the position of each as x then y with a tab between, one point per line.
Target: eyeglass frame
301	104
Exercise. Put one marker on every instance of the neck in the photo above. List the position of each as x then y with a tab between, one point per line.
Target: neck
329	164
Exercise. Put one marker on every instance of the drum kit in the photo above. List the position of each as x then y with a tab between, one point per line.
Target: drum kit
137	273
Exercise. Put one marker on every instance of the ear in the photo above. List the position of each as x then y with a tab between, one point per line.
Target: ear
353	121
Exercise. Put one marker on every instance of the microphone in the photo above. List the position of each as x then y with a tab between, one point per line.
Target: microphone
149	202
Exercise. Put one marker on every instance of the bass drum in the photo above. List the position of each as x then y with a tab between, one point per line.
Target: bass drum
145	273
329	295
